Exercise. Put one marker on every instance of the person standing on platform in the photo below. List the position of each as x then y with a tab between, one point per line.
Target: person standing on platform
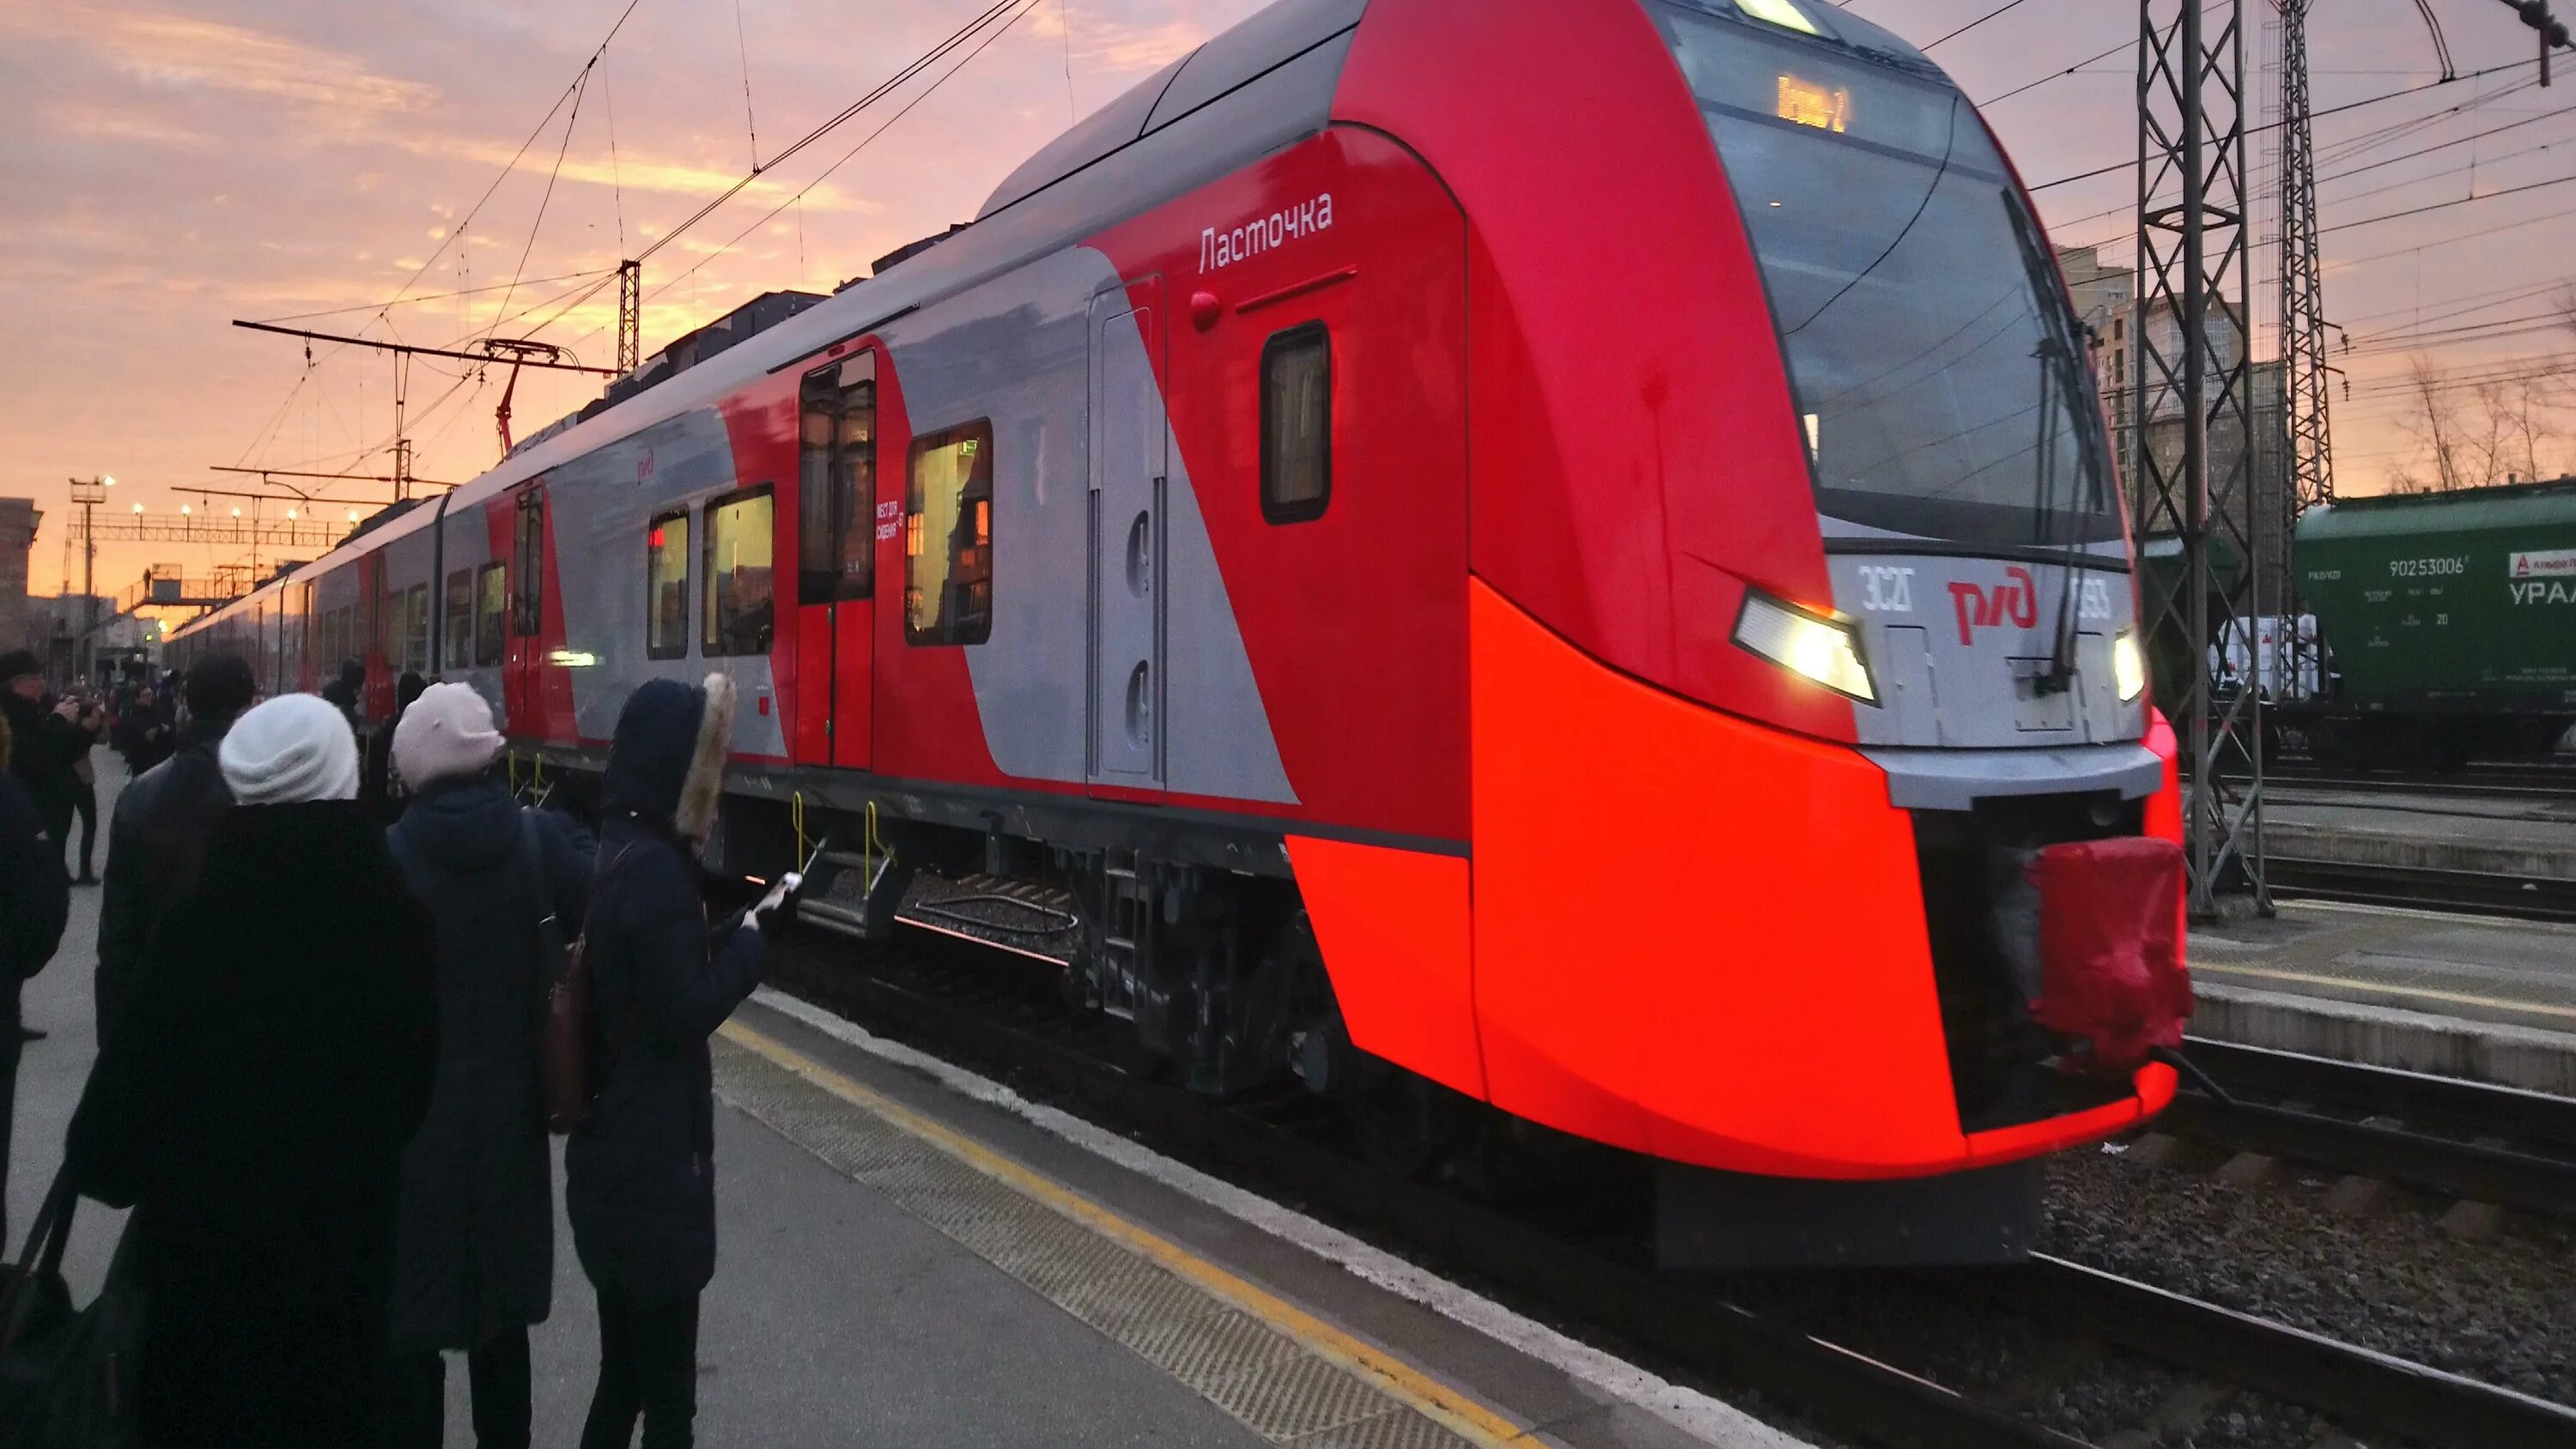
35	902
474	1261
144	733
40	755
156	840
348	694
87	725
382	789
639	1178
254	1102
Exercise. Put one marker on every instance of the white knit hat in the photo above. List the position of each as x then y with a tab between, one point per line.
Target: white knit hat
292	749
447	732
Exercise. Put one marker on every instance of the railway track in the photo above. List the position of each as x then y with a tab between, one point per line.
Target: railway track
2489	893
2526	780
946	991
2461	1139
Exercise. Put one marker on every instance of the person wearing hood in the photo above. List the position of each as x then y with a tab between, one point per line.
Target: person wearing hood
382	789
35	903
156	838
253	1104
639	1178
474	1256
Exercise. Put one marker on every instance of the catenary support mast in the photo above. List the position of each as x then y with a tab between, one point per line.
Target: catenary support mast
2191	454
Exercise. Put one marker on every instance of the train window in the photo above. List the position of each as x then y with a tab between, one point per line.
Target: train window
948	537
459	649
416	629
491	611
837	483
1296	424
666	587
741	606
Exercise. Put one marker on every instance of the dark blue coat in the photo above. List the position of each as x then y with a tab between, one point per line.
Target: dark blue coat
475	1254
639	1180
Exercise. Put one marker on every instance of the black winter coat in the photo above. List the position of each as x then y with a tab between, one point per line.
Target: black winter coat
35	895
156	843
475	1254
40	750
639	1180
253	1109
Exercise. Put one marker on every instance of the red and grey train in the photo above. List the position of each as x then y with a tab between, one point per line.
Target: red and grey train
1353	508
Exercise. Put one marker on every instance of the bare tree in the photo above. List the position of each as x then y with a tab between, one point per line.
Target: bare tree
2487	434
2527	426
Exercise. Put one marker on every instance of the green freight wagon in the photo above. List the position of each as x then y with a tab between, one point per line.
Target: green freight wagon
2449	621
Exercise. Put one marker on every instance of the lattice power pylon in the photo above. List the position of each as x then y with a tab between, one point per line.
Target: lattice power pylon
2192	451
2308	444
630	316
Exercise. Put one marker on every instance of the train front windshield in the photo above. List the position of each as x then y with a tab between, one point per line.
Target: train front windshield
1941	379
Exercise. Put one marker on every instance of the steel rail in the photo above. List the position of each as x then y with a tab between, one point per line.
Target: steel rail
2537	1118
1691	1321
2475	892
2358	1386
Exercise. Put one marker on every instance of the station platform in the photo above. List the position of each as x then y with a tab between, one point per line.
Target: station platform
911	1255
2497	834
2465	996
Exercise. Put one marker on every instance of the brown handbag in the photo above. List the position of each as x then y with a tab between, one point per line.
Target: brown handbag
570	1084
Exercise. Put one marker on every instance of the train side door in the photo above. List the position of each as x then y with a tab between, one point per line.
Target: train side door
1129	472
521	676
836	562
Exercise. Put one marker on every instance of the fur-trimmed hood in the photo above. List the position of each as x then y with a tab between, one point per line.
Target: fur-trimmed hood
667	761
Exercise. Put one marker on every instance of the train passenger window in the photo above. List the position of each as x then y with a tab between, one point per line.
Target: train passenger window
741	606
666	587
837	483
1296	424
491	610
459	650
416	629
948	537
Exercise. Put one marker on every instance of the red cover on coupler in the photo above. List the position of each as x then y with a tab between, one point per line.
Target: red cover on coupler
2111	968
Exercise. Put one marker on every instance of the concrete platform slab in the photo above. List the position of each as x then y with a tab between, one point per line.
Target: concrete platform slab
2496	835
2481	998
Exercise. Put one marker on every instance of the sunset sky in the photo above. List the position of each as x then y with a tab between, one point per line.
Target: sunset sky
166	167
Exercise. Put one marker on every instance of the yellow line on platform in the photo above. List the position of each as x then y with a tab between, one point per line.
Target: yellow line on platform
2456	998
1400	1380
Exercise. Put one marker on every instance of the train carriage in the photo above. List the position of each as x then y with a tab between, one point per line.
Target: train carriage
1364	492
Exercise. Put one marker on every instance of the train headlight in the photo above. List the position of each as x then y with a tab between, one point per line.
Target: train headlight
2128	666
1821	649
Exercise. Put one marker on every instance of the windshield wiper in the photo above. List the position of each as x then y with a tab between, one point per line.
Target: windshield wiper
2061	386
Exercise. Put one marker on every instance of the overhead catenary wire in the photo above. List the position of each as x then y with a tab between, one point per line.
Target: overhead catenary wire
459	230
583	275
2256	130
887	87
1024	7
563	148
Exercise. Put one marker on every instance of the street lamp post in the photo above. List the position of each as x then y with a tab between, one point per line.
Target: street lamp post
88	493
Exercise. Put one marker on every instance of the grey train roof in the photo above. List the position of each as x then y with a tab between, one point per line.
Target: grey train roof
1259	44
